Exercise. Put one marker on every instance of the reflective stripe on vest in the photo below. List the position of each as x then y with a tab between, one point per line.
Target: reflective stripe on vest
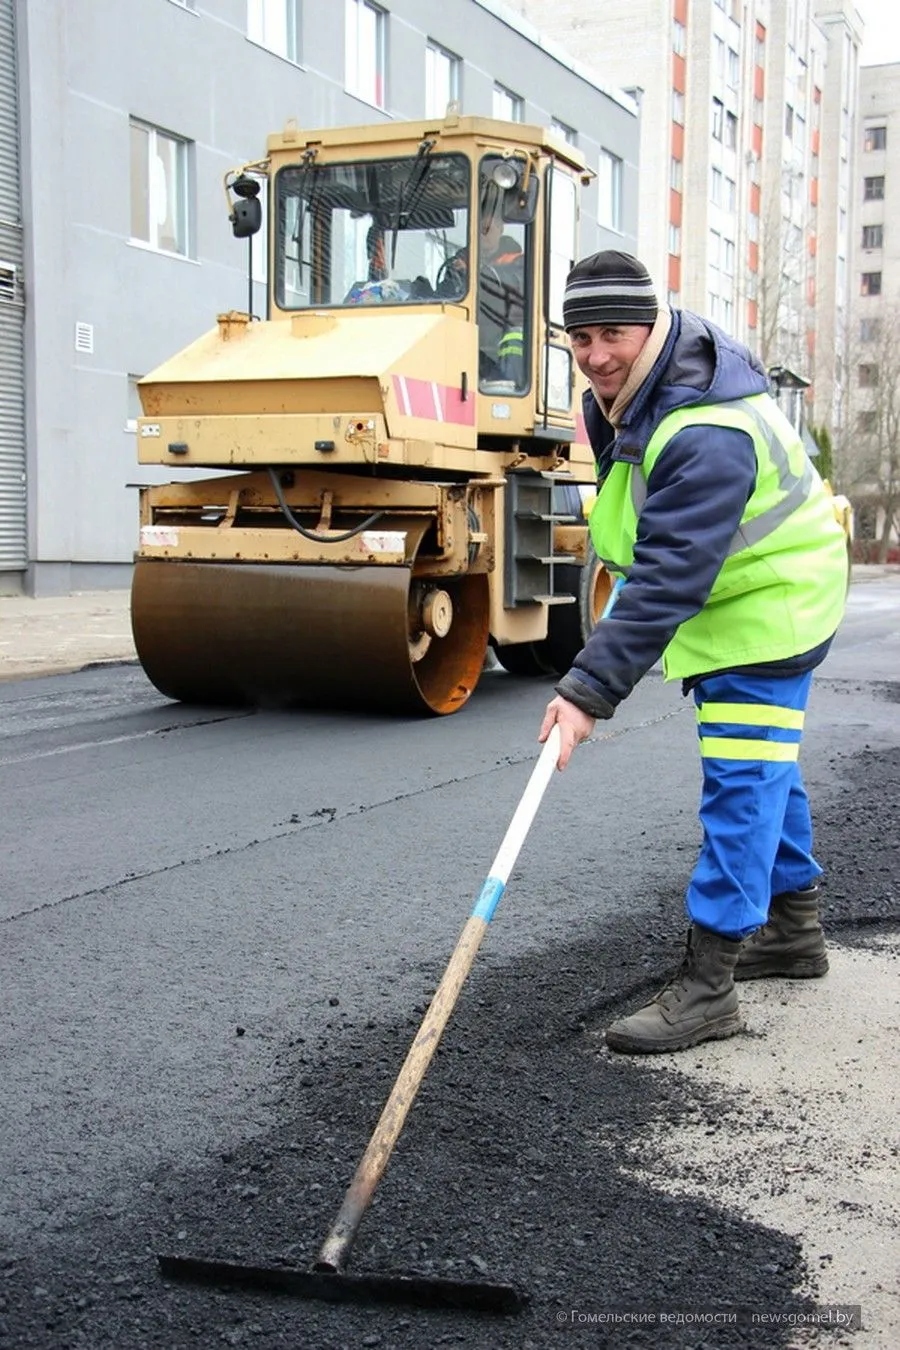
796	488
512	343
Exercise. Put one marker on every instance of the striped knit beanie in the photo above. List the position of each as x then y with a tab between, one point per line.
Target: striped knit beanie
609	288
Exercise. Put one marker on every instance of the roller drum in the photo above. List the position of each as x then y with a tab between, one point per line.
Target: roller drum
277	635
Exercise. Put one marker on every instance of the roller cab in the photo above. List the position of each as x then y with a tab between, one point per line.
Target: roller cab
397	454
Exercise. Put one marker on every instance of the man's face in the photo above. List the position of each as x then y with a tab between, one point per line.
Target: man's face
606	355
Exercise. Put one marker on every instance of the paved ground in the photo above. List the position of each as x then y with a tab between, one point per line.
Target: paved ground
793	1124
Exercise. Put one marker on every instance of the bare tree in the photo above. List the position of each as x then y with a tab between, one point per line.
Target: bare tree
782	284
869	453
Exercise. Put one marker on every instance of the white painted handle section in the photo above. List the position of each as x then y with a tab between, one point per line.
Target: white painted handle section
527	808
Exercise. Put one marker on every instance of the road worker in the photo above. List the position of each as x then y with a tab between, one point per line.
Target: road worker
735	573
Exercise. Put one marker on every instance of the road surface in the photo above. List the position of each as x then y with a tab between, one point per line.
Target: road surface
220	930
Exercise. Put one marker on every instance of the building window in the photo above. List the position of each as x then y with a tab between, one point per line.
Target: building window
675	240
869	330
715	186
678	36
730	137
802	76
873	189
734	69
609	181
871	283
364	56
875	138
868	376
872	236
867	421
509	107
676	174
728	257
159	189
718	117
678	107
275	24
788	121
730	202
718	57
441	79
569	134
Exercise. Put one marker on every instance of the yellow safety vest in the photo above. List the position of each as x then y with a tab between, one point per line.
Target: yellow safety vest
782	586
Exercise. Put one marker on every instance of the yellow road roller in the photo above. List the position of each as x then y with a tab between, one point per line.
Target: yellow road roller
398	451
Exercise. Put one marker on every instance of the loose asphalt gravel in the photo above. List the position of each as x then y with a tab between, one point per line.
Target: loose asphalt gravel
517	1164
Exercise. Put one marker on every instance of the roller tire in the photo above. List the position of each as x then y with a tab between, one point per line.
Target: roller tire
524	658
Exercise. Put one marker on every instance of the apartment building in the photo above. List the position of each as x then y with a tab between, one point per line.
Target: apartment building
640	46
746	158
118	122
872	349
835	217
876	257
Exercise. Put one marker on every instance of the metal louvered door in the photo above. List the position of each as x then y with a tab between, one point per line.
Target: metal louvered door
13	549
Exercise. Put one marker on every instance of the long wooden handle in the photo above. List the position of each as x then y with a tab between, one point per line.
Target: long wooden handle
336	1247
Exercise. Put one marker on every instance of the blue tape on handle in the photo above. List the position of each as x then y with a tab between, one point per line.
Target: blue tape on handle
489	899
613	597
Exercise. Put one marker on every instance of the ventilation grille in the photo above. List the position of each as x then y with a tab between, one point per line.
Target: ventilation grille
84	338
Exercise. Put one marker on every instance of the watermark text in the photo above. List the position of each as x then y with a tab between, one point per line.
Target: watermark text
839	1316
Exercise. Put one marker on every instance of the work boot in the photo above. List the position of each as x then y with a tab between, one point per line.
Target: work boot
698	1004
791	942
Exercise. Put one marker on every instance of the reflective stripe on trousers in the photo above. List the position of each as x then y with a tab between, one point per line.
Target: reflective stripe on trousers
757	832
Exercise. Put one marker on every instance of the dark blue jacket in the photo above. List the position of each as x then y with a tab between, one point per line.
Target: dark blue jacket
696	495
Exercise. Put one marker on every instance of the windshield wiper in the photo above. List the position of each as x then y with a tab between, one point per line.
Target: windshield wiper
304	206
413	186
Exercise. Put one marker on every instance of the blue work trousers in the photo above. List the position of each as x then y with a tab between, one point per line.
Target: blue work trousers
757	832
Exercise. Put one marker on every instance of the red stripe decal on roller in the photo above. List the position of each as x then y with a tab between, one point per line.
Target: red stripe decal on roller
436	402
